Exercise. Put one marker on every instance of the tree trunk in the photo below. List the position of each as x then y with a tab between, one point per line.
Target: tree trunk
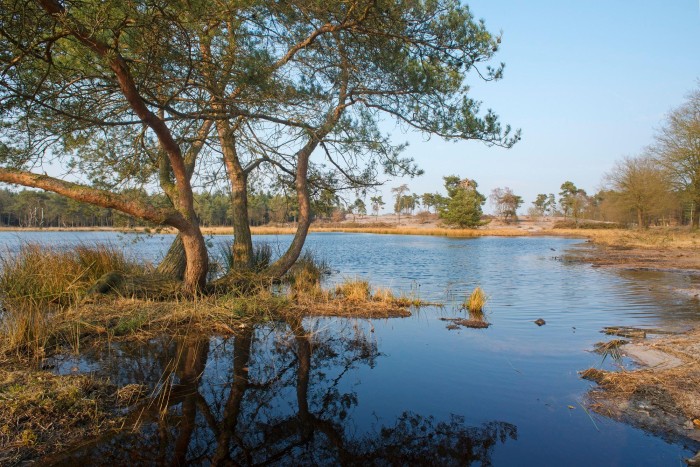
175	262
695	215
197	259
287	260
242	241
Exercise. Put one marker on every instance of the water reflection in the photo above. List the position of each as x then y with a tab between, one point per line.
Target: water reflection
275	395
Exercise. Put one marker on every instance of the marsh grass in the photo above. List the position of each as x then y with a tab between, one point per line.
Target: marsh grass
662	238
46	276
262	255
354	290
40	282
475	303
306	274
353	298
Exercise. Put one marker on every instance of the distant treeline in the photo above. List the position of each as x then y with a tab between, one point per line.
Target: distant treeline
30	208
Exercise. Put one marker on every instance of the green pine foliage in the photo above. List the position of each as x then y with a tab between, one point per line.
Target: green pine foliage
463	206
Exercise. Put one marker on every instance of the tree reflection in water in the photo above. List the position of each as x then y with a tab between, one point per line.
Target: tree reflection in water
276	395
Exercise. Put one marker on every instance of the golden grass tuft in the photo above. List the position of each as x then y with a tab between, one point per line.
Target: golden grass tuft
354	290
476	302
353	298
50	276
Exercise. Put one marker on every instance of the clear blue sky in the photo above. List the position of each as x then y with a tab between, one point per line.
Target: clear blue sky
587	81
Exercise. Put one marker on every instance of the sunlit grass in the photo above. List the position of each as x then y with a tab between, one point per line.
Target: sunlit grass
39	281
665	238
475	303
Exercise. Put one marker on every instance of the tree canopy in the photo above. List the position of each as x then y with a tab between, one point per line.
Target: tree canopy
162	95
677	149
463	205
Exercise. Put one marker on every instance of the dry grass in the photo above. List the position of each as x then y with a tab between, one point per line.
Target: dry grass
354	290
665	238
50	276
39	282
672	395
379	228
610	349
476	302
353	298
41	413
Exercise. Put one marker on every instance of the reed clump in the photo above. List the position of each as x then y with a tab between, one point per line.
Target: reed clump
46	276
262	256
306	274
352	298
39	282
384	294
354	290
476	302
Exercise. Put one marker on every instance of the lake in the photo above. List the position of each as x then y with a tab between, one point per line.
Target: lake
398	391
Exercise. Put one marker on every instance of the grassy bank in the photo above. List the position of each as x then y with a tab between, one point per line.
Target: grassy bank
663	238
50	303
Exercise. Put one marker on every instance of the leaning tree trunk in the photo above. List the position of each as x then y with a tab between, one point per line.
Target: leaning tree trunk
287	260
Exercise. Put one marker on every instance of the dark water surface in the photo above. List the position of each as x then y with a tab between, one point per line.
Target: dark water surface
403	391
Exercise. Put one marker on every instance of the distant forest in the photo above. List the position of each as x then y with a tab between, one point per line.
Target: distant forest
31	208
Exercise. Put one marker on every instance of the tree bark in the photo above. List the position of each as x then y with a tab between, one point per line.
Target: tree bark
287	260
242	240
197	257
182	197
174	263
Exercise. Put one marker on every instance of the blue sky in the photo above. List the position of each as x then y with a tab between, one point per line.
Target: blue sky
588	82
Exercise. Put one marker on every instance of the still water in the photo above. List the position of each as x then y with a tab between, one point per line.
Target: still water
399	391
